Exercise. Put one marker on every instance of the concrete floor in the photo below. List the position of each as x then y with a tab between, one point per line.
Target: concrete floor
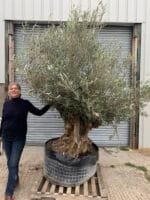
123	182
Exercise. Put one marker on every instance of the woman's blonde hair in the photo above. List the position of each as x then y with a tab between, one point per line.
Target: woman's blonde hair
15	83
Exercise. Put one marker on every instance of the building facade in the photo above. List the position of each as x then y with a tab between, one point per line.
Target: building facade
128	21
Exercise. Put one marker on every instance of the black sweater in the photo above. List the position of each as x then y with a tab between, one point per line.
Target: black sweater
14	117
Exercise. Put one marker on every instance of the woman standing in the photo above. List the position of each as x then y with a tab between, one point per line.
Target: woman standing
13	132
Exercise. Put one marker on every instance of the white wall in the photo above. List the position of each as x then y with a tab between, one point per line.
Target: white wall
117	11
2	47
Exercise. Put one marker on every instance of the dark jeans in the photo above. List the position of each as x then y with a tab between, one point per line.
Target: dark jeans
13	150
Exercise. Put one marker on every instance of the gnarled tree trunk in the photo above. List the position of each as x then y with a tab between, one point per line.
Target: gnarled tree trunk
74	141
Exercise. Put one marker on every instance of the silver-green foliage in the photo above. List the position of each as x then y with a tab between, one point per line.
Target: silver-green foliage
68	67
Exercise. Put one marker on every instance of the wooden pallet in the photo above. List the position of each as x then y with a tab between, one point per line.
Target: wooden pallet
93	188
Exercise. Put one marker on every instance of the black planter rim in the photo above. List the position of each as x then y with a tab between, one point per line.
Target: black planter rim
84	160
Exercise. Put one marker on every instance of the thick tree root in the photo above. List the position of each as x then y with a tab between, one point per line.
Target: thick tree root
66	144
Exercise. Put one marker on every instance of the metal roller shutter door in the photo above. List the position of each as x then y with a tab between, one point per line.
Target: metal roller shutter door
50	124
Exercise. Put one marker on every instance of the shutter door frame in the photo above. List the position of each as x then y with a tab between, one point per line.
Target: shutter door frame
95	136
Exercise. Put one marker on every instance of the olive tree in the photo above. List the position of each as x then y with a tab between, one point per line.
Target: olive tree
86	83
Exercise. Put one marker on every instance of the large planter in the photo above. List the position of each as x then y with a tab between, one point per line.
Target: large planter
67	171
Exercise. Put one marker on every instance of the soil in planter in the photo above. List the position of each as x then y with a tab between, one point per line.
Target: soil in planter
66	145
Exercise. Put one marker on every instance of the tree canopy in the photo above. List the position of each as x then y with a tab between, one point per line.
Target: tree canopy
67	65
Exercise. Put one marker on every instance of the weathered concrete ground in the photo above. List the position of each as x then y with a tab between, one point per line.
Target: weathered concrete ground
123	182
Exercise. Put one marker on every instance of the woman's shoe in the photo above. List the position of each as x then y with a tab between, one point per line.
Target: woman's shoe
7	197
